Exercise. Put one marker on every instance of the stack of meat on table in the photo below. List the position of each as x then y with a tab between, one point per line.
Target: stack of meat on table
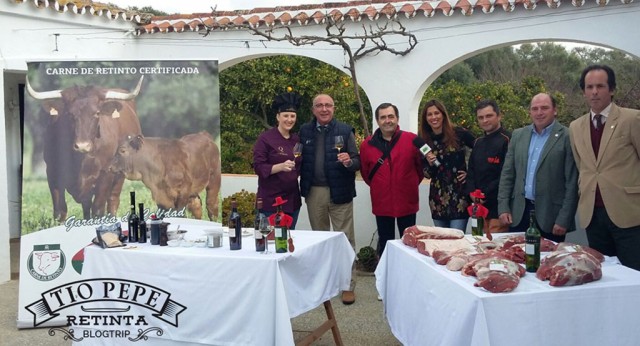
496	263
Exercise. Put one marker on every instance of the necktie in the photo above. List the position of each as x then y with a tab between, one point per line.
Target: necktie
598	118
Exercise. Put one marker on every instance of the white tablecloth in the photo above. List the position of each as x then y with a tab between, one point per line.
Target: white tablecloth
231	297
426	304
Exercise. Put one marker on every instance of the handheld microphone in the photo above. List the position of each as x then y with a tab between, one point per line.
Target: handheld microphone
424	148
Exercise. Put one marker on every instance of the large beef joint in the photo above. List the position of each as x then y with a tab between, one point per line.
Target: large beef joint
428	246
498	282
414	233
495	274
569	268
569	247
546	245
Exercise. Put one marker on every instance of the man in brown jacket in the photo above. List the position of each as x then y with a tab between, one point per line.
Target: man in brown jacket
606	147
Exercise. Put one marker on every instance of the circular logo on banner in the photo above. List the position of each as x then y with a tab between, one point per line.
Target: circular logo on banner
46	262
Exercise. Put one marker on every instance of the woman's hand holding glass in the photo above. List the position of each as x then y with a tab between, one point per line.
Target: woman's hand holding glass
297	152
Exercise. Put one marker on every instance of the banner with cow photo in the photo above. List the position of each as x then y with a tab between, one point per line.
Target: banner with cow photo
94	132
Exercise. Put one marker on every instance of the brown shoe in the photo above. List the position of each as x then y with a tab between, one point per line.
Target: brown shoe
348	297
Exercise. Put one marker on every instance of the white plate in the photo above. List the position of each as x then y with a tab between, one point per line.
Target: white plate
245	231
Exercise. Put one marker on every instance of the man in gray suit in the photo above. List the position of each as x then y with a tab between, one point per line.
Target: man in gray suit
540	174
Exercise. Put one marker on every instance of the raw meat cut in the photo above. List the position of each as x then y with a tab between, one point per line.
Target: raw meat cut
498	282
494	273
442	257
546	245
428	246
414	233
563	268
456	259
569	247
480	267
516	253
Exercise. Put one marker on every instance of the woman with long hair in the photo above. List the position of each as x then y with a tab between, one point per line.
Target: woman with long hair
274	160
447	166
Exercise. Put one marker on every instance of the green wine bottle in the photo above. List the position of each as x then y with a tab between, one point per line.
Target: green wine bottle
281	231
477	223
532	245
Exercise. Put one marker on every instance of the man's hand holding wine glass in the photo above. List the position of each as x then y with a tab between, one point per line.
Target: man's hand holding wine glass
345	159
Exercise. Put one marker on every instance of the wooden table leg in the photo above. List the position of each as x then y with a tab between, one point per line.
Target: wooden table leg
330	323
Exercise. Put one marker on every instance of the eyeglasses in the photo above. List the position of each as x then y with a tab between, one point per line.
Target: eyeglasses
323	105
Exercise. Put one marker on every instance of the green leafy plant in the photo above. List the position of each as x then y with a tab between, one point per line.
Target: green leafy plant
367	259
245	202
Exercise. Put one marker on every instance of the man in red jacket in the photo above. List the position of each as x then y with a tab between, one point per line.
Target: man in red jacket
393	183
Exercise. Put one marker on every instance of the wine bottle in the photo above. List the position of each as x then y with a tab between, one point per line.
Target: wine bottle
142	225
132	223
281	231
532	245
235	227
477	223
154	226
259	238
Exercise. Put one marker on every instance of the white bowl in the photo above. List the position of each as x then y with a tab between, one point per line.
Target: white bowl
176	234
174	243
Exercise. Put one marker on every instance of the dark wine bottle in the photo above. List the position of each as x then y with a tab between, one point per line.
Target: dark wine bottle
477	223
259	238
154	227
532	245
281	231
235	227
132	223
142	225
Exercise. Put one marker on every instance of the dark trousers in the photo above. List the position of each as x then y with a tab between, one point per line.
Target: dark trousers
524	224
604	236
387	228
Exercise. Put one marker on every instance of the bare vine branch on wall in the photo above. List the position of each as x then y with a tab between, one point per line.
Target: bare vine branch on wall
372	41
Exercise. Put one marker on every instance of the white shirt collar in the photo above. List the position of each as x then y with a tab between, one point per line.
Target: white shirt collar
605	114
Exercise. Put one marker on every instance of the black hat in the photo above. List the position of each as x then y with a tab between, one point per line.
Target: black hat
286	102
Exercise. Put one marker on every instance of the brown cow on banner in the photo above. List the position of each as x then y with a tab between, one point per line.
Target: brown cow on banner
86	125
175	170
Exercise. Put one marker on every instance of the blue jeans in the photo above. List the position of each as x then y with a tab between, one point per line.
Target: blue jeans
460	224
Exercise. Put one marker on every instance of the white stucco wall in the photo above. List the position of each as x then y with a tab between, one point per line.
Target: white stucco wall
31	34
5	273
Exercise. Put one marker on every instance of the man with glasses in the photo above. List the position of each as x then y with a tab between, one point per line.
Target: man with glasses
327	175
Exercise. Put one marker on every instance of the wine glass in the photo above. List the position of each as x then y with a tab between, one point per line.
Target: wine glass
297	151
265	229
338	143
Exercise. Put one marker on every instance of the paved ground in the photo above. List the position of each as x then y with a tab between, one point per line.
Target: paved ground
362	323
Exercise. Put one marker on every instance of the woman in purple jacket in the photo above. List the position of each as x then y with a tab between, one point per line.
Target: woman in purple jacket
274	161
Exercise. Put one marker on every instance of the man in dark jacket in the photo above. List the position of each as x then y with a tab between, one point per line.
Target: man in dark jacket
327	176
486	161
394	183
